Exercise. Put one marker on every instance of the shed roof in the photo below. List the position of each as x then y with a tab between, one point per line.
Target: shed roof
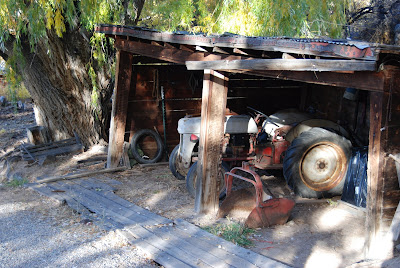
345	63
339	48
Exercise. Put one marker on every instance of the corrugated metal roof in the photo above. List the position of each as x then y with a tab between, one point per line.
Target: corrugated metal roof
339	48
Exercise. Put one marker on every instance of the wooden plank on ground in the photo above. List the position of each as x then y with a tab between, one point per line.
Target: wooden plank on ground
62	198
79	175
250	256
95	185
102	210
47	191
209	246
51	145
284	65
168	246
128	205
126	215
159	256
72	203
210	254
59	151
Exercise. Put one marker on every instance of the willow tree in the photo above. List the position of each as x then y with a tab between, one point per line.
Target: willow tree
294	18
50	46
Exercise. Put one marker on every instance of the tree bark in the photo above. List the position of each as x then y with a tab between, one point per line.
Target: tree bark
57	79
56	76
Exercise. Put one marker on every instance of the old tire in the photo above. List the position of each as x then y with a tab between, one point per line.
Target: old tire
316	163
175	165
138	150
192	177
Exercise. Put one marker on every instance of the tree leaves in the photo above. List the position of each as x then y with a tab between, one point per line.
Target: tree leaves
294	18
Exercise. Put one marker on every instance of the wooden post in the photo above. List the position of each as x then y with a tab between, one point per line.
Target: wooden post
119	107
375	175
215	90
383	189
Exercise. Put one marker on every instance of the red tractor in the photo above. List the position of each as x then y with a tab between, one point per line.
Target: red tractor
313	153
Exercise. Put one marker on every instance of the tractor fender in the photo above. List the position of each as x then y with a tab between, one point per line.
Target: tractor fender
311	123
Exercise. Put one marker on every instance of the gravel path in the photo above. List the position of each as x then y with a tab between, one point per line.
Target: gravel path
35	232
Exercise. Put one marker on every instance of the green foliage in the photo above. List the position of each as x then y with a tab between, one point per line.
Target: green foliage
31	20
294	18
169	15
234	232
16	183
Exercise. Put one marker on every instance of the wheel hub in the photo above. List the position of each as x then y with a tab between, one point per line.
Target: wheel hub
322	166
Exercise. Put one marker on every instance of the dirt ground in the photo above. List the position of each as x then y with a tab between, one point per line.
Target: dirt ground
319	233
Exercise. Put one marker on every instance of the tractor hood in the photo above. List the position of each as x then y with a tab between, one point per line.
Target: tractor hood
234	124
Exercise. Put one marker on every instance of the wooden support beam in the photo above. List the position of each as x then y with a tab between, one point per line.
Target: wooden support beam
383	184
220	50
119	107
240	51
188	48
215	90
284	64
171	53
375	175
371	81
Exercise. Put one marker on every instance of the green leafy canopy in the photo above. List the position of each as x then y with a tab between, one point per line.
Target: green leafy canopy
297	18
294	18
32	19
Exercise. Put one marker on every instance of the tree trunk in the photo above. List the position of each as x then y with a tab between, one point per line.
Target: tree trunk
56	76
61	88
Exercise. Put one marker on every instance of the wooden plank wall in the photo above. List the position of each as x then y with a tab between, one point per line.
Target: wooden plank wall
182	93
264	94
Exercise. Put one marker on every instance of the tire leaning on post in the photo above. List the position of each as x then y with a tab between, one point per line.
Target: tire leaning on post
137	138
316	163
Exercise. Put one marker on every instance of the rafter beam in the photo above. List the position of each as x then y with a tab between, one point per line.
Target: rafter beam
372	81
170	54
283	65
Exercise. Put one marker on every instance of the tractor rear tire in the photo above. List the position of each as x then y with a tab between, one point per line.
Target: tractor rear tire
316	163
191	179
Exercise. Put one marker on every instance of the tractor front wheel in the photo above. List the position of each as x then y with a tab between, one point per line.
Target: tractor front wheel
191	179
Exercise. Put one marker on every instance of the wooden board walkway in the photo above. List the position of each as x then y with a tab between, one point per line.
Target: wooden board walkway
170	243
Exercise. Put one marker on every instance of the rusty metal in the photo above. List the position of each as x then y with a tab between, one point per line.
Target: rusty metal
266	213
323	166
271	155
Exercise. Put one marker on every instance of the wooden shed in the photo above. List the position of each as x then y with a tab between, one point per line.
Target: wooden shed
197	74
